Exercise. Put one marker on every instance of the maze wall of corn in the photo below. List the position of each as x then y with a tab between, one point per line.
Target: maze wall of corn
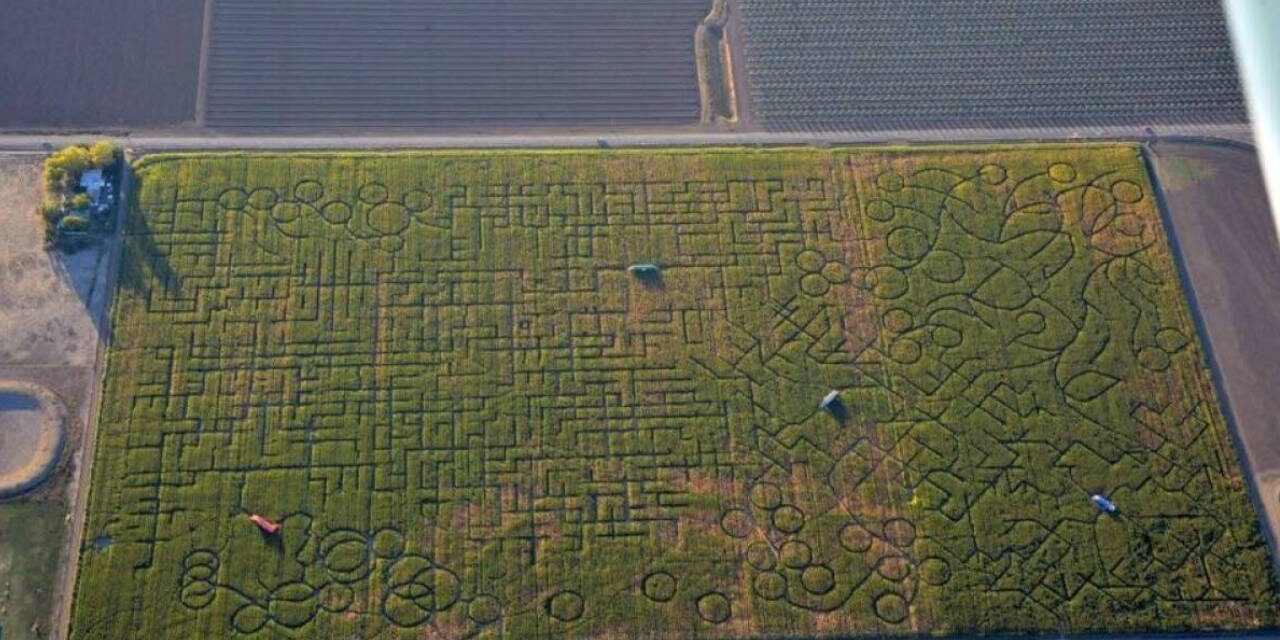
437	373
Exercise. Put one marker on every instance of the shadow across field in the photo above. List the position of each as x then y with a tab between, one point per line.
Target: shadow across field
144	265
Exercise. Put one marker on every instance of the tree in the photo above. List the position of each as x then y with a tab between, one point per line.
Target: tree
64	167
103	153
62	173
80	201
74	224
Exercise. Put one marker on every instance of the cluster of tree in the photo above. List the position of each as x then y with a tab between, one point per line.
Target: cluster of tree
65	205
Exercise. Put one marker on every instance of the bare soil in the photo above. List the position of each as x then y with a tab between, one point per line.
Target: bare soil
43	320
452	64
51	328
99	65
1218	206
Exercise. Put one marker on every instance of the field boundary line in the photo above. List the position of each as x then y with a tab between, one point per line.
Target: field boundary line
1233	134
82	474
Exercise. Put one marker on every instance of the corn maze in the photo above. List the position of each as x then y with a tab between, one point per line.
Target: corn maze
471	421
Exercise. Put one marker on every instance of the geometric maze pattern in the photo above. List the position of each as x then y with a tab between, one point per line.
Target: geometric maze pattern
436	372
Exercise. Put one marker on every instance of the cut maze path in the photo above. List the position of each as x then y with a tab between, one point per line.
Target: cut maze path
434	370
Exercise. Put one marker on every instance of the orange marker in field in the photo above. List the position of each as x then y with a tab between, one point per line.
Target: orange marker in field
268	527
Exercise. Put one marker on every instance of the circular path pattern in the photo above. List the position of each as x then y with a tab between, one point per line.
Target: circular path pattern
32	429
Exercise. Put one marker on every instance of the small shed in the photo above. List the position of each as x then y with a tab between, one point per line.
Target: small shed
92	182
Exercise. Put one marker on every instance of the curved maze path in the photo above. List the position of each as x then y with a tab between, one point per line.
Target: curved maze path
436	373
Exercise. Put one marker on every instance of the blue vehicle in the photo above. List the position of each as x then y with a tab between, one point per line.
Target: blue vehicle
646	271
1104	505
830	402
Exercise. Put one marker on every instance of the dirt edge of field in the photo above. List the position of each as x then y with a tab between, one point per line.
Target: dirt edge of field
1225	262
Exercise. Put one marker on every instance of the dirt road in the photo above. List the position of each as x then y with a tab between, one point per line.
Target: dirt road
99	306
157	140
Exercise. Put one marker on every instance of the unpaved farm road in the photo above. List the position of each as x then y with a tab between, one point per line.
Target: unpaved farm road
158	141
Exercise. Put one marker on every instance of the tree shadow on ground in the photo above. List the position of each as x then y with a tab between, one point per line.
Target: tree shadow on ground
124	257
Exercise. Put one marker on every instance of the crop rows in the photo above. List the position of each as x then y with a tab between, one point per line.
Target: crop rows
94	66
435	371
456	63
906	64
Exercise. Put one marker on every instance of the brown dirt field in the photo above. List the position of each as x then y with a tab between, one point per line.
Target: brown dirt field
43	320
94	65
449	64
51	312
1222	222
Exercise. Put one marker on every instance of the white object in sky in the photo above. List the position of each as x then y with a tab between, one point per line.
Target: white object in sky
1255	31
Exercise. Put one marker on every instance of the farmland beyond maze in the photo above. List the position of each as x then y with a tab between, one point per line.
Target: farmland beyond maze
435	371
107	63
924	64
452	63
